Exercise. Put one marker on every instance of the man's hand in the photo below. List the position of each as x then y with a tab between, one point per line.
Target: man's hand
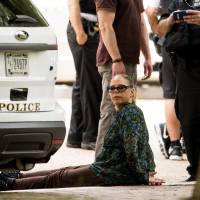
148	68
118	68
81	38
192	17
153	181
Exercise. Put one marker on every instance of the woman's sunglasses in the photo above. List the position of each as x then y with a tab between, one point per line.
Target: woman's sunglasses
117	88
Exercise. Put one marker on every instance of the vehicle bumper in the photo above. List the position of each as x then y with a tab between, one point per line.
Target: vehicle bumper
30	139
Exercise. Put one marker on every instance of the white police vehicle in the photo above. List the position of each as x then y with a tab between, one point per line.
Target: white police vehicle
32	124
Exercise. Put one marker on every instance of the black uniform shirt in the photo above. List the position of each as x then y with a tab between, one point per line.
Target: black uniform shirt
88	6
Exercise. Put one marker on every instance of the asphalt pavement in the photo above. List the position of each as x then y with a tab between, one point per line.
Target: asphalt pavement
173	172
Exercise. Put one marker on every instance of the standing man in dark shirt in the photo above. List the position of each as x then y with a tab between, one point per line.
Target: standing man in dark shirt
123	34
83	40
126	158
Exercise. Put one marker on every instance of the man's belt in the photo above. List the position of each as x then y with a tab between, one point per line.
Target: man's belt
90	23
89	17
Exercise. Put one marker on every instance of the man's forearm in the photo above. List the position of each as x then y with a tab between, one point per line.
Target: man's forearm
75	16
106	19
165	26
110	41
144	39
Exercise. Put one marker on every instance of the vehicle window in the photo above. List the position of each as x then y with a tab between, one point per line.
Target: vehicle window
20	13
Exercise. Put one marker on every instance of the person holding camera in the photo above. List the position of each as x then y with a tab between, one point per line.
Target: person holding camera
169	134
182	31
126	157
83	38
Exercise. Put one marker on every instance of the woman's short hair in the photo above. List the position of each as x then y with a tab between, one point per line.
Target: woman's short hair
124	77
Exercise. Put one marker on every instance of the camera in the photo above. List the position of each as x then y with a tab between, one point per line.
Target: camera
179	14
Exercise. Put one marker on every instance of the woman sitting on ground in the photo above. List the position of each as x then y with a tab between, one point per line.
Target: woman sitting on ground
126	158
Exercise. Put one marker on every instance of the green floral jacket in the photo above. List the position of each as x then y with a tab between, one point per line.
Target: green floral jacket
126	157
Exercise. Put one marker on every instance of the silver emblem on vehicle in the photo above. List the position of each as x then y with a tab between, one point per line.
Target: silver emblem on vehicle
21	35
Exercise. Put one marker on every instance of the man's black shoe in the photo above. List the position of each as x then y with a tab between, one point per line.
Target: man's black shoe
175	152
88	145
163	138
71	144
191	178
183	145
6	183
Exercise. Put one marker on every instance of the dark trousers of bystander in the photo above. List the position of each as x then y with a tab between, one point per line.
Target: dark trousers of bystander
188	111
87	90
78	176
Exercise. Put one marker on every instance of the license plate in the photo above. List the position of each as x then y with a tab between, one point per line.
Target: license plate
17	63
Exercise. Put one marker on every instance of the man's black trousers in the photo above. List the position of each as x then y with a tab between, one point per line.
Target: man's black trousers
188	111
87	90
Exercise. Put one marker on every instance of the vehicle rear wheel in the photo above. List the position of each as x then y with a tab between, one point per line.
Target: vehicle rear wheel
17	165
23	165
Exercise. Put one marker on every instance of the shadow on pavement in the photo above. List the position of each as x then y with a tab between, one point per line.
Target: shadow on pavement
39	196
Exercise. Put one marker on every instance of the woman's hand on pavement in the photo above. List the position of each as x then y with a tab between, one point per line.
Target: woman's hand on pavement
154	181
